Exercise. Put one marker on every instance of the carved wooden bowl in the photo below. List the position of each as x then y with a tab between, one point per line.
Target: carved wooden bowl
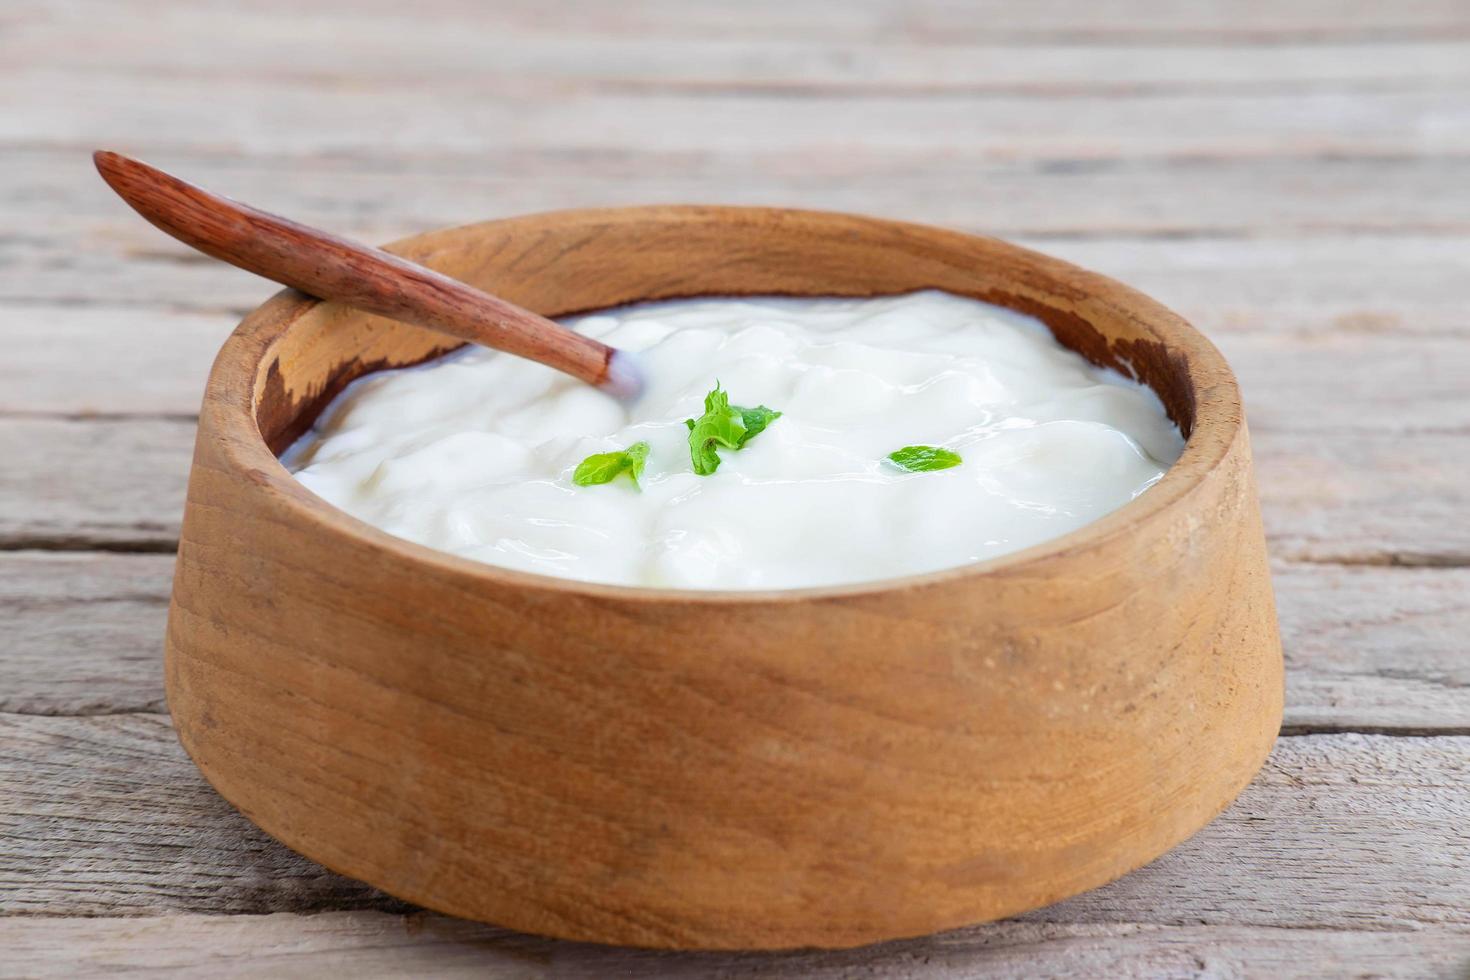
816	767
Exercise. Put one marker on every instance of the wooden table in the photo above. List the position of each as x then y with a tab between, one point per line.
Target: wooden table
1293	177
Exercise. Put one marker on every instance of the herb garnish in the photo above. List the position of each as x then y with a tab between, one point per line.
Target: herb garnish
755	419
605	467
723	424
922	459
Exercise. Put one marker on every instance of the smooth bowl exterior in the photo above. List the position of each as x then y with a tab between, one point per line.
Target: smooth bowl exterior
825	767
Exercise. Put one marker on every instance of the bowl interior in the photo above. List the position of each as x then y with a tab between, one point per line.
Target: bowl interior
571	262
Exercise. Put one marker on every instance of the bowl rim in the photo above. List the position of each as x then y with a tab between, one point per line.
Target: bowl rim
1217	423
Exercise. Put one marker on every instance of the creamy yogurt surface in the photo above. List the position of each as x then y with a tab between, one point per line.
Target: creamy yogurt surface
474	453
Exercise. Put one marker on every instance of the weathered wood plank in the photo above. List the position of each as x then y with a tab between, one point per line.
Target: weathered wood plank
374	944
83	632
267	44
1326	835
1400	286
80	484
936	21
66	108
1352	382
77	361
106	816
923	21
377	197
1365	497
1376	648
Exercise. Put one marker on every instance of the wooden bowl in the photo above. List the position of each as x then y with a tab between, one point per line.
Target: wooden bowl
816	767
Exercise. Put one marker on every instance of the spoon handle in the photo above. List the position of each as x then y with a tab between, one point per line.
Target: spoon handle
367	278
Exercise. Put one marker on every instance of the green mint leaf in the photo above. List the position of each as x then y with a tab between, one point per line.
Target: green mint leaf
605	467
755	419
723	425
922	459
720	425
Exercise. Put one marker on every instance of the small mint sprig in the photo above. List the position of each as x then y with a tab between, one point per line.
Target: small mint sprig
723	425
923	459
606	467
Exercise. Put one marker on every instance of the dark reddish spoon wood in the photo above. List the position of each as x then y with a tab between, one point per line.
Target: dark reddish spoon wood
371	279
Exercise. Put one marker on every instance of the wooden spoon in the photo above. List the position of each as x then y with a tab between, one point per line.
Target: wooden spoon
370	279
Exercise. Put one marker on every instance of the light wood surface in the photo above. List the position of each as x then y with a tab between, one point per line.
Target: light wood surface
1288	176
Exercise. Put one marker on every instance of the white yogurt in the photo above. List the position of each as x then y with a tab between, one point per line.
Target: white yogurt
474	453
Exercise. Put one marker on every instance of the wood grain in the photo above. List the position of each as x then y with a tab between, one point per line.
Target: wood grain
928	21
880	45
85	362
107	816
374	944
1009	127
384	195
1340	496
1372	647
83	632
128	495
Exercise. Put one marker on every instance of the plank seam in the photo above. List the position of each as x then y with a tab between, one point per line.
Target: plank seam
365	162
88	543
81	542
1287	731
